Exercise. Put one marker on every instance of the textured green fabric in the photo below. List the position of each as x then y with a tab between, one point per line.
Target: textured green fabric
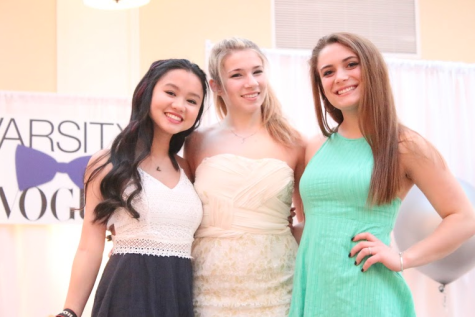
334	189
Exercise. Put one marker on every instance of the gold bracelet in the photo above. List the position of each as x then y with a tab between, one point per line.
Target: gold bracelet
402	262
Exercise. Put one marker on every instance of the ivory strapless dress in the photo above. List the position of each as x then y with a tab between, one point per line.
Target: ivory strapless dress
244	252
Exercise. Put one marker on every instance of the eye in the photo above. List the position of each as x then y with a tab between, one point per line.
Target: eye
192	101
235	75
259	71
353	64
171	93
327	73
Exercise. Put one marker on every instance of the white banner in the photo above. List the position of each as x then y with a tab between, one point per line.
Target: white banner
46	141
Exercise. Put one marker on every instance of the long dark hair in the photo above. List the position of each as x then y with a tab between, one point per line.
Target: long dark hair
133	144
377	113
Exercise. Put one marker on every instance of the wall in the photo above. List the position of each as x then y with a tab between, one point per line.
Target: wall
180	28
42	42
28	45
446	30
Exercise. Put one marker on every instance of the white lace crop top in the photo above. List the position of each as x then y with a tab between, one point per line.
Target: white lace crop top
168	219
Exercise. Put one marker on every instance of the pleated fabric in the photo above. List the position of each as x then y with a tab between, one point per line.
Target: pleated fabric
243	253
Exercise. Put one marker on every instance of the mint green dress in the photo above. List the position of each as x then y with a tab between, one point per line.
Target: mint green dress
334	189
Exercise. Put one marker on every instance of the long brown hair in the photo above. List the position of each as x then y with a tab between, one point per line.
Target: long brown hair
271	110
376	113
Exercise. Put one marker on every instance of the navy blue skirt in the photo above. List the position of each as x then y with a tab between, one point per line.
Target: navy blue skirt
145	285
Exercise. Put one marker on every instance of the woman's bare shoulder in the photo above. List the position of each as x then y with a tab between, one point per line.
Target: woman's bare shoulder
98	159
184	166
313	145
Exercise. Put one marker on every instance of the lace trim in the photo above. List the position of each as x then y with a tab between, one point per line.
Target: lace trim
150	247
262	304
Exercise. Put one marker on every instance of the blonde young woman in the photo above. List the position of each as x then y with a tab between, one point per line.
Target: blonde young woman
356	177
246	170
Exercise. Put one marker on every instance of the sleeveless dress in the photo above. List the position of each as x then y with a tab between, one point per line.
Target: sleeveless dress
149	272
334	189
243	253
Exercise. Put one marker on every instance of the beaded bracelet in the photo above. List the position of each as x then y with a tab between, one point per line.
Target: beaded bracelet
67	313
402	261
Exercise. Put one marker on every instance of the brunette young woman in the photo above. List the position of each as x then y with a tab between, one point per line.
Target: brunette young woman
246	170
140	191
357	174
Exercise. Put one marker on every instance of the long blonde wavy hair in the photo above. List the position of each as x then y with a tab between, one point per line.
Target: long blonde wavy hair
271	111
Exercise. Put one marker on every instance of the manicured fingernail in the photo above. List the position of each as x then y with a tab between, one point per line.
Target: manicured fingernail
362	270
355	263
349	255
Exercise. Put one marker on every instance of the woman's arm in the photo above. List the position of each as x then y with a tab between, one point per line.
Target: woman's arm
91	247
423	166
308	151
297	229
429	172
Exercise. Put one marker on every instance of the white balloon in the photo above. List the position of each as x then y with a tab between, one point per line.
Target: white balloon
417	219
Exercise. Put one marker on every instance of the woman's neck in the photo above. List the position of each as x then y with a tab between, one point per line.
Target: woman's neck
243	122
160	145
350	128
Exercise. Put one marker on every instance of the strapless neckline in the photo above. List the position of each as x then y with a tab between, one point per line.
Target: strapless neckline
223	155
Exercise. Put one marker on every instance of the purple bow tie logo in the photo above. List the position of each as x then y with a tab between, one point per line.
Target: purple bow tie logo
34	168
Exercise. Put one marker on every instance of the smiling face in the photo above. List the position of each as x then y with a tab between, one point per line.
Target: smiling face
340	72
176	101
244	82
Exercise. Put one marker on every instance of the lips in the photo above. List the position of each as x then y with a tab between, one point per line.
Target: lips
174	116
250	96
345	90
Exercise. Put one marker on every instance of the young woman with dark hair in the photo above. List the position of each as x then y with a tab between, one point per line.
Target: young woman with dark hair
139	190
357	174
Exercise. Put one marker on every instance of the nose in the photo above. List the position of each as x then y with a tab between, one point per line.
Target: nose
251	81
179	104
341	75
